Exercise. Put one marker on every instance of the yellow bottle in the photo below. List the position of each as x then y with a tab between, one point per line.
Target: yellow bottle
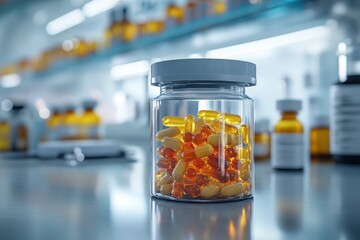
89	121
4	135
262	140
18	129
191	13
175	15
54	124
287	143
70	126
124	30
109	32
219	7
320	139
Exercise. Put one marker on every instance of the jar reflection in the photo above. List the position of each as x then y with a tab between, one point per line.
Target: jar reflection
201	221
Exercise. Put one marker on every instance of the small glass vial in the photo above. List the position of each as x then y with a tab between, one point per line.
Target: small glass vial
4	135
70	126
287	141
124	30
202	130
320	139
54	124
89	121
262	140
18	129
175	15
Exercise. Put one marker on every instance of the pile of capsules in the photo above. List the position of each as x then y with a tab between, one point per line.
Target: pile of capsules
204	158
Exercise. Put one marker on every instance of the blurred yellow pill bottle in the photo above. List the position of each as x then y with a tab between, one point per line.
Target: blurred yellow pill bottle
89	120
70	123
262	140
320	139
54	124
287	142
4	135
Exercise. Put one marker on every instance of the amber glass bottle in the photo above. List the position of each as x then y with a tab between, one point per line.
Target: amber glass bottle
262	140
89	121
320	139
109	32
287	141
54	123
175	14
124	30
70	126
4	135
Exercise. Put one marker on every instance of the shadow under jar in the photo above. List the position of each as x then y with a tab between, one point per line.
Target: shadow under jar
202	130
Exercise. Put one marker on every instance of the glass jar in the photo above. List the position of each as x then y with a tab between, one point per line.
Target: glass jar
202	130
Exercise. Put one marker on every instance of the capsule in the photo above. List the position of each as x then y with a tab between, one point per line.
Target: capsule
245	172
179	170
201	180
209	191
221	176
216	162
219	139
187	137
168	132
206	131
178	189
198	152
230	152
244	155
198	163
190	173
220	126
192	190
187	146
166	152
166	189
208	115
173	121
230	118
166	163
189	123
173	143
232	190
234	175
198	124
164	179
245	133
198	139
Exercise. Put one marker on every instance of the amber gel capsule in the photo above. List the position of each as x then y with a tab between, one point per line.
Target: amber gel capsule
173	121
208	115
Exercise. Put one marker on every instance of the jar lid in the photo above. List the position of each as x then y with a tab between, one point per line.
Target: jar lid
203	70
288	105
320	121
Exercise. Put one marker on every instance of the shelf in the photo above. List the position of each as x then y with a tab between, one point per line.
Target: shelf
245	12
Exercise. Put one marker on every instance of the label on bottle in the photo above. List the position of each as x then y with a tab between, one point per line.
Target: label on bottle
287	150
93	132
261	149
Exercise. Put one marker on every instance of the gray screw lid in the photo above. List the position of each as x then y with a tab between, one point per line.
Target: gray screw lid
203	70
288	105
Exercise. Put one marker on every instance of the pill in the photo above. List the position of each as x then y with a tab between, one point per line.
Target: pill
173	121
179	170
178	189
244	155
166	152
168	132
230	118
198	163
187	146
198	152
166	163
173	143
235	163
221	176
217	162
245	133
198	124
209	191
230	152
187	137
219	139
192	190
208	115
221	126
164	179
206	130
201	180
245	172
189	123
198	139
190	173
166	189
231	190
234	175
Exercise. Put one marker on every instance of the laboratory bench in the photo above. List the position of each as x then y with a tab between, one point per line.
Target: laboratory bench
110	199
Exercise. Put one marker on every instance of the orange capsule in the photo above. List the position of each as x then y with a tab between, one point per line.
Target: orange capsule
230	152
168	152
236	163
187	137
216	162
198	163
198	139
190	172
198	152
166	163
159	150
178	189
221	176
192	190
187	147
234	175
206	130
201	180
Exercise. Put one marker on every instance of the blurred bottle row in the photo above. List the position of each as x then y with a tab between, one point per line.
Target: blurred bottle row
18	130
122	30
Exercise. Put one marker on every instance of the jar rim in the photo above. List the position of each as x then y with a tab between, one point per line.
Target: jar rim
203	70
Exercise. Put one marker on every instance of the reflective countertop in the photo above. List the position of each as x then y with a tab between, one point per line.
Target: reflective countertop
110	199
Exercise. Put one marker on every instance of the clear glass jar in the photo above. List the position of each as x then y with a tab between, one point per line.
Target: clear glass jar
202	130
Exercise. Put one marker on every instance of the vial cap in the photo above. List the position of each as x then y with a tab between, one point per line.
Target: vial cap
89	103
320	121
203	70
69	107
288	105
262	125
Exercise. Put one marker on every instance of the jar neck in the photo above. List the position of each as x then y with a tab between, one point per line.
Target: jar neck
208	88
288	115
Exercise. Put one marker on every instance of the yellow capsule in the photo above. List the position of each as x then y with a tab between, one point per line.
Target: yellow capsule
208	115
166	189
164	179
245	133
189	123
179	170
220	126
198	124
232	190
168	132
230	118
209	191
245	172
218	139
237	140
173	121
203	151
243	154
173	143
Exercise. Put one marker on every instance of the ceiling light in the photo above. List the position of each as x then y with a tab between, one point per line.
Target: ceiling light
96	7
11	80
64	22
